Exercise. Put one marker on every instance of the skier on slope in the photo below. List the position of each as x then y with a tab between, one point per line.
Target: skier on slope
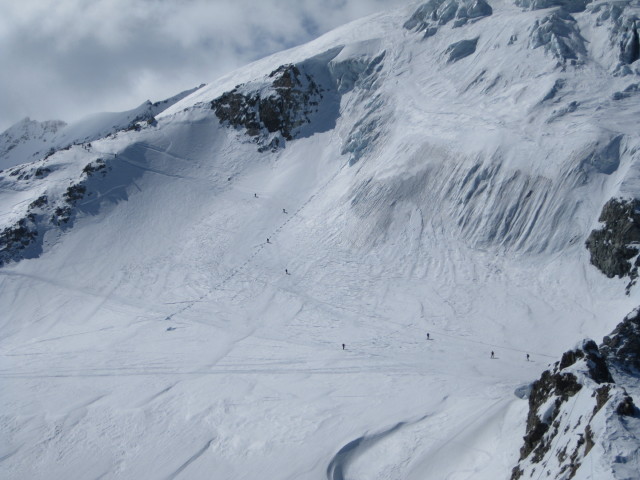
492	354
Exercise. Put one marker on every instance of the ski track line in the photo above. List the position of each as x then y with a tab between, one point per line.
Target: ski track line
234	272
494	345
10	454
76	289
192	459
222	173
131	163
374	369
156	395
326	304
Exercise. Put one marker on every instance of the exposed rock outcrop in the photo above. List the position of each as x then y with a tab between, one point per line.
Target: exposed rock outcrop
24	239
622	347
276	111
577	405
295	101
288	105
614	246
14	240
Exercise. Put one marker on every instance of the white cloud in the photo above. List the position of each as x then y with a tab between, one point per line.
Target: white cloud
69	58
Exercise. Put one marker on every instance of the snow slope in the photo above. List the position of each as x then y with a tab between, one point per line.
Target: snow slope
152	332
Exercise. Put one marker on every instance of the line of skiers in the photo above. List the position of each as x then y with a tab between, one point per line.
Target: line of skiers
493	354
286	271
284	210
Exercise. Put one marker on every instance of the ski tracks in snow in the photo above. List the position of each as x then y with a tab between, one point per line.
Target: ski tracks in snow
192	459
242	267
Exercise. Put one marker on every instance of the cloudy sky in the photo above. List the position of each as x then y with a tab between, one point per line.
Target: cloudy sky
64	59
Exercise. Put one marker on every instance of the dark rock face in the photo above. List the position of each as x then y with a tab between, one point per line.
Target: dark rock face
25	238
595	361
435	13
551	384
461	49
15	239
614	245
291	102
561	430
627	408
39	202
622	347
75	193
95	167
297	101
630	45
61	216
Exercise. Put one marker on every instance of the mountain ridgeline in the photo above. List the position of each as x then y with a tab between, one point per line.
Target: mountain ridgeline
494	201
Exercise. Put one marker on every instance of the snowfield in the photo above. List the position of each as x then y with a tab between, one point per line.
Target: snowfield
155	334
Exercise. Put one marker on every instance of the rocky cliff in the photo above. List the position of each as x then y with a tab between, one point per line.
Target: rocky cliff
581	407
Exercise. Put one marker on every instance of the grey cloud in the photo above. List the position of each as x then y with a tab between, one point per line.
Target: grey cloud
69	58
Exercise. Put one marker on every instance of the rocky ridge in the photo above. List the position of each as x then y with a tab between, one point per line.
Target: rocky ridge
270	117
615	246
576	407
50	211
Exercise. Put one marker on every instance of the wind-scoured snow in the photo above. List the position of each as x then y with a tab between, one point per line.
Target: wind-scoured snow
157	333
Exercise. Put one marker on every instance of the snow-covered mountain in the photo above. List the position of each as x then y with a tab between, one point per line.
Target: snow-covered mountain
30	140
18	143
350	259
